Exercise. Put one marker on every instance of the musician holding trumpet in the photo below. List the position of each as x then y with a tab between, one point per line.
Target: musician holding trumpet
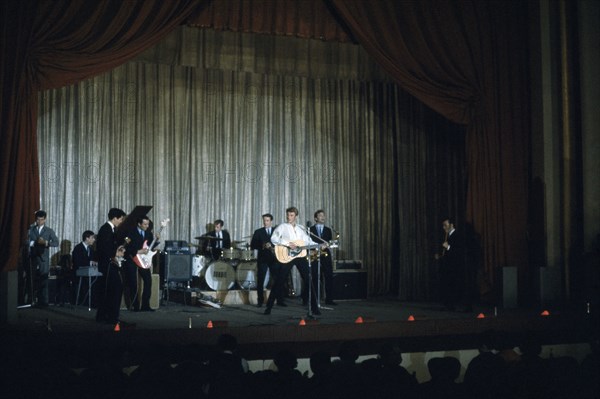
289	239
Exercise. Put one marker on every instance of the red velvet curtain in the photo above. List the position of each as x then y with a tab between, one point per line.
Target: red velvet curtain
49	44
465	59
310	19
468	61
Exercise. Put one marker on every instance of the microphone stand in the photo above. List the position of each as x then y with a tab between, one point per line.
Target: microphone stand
31	297
319	251
309	283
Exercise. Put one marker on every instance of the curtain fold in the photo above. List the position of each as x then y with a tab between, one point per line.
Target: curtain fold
310	19
236	137
48	44
468	61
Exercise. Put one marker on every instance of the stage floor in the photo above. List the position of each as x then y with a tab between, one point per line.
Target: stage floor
174	324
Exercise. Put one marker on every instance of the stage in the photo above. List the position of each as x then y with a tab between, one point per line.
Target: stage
173	327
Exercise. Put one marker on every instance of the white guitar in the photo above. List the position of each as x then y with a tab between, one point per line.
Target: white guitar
145	260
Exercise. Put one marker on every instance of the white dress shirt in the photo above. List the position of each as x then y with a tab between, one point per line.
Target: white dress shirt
285	233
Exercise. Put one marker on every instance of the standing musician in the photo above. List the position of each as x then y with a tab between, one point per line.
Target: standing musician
109	252
452	266
292	235
138	236
221	239
265	260
41	238
326	235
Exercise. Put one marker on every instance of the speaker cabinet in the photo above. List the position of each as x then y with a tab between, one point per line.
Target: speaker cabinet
548	282
507	279
349	284
178	267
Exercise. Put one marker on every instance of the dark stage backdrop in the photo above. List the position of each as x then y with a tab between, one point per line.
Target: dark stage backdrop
210	125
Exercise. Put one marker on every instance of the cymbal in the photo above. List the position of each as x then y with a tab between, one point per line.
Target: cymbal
208	238
250	236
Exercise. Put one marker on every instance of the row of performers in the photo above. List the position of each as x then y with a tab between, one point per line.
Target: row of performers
278	249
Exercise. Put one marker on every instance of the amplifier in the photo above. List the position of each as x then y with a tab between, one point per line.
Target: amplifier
349	284
177	247
348	265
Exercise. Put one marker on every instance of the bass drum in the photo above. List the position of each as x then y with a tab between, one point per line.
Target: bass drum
219	276
247	275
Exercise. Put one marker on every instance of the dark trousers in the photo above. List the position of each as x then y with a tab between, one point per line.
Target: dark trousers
132	271
327	273
303	268
110	289
261	274
280	272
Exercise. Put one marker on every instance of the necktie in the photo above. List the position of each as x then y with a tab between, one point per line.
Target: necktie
220	242
320	231
269	231
88	251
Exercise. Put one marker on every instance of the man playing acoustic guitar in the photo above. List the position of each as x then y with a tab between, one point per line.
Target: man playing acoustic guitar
290	240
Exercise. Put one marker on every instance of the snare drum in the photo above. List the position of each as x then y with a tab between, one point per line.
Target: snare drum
246	254
230	253
247	276
219	276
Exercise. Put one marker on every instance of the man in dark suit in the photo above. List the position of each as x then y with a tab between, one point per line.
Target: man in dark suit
41	238
83	255
213	248
452	265
325	235
109	254
138	236
261	241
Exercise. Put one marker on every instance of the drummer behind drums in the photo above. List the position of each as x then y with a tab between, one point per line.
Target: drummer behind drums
220	240
261	241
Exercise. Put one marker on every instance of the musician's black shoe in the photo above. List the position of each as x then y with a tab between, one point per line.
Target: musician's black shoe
146	310
259	305
316	312
282	304
268	311
330	303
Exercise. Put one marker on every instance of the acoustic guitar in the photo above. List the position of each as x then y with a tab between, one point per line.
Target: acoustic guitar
285	254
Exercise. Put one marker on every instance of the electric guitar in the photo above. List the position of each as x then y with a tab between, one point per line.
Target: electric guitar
145	260
285	254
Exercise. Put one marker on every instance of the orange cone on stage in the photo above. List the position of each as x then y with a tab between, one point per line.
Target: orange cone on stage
358	320
545	313
481	316
210	324
302	322
411	318
117	327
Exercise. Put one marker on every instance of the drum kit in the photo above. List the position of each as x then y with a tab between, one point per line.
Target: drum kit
236	266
